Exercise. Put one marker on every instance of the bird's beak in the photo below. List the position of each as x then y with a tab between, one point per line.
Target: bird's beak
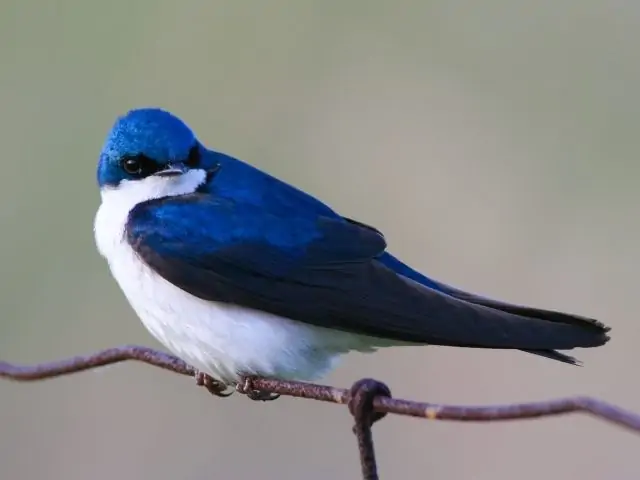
173	170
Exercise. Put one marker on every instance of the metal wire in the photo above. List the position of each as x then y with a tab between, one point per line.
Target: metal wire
362	395
368	399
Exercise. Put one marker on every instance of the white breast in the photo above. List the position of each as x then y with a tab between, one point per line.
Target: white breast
222	340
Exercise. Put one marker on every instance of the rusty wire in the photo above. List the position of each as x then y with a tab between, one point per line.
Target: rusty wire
368	400
361	397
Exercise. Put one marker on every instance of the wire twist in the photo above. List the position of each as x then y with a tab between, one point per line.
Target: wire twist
361	397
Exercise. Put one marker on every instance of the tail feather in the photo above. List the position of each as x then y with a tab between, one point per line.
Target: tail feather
555	355
584	323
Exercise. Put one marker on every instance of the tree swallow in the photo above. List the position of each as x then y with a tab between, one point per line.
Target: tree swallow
240	274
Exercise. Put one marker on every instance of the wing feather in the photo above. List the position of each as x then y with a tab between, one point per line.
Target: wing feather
323	271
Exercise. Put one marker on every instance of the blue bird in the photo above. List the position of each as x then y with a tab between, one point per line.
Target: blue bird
240	274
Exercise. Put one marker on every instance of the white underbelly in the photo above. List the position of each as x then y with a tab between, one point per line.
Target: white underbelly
225	340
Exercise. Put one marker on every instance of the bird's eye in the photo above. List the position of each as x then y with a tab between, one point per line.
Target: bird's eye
138	165
132	166
193	160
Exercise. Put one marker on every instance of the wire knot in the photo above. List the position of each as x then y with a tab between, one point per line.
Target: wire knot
361	398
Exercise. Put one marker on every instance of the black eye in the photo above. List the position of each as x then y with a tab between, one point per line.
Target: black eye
132	166
193	160
139	165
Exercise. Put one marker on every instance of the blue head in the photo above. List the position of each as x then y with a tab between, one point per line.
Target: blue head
145	142
150	153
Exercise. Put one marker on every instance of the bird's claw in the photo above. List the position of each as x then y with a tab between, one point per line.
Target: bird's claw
245	386
213	386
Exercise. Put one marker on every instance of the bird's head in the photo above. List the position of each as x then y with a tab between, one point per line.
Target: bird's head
150	153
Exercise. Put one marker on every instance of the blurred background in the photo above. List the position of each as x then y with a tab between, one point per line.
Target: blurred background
495	143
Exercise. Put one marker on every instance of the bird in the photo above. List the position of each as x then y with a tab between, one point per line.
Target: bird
242	275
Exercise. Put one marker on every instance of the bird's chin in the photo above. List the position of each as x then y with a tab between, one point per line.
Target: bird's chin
187	182
132	192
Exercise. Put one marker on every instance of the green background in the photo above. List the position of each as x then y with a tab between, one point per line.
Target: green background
495	143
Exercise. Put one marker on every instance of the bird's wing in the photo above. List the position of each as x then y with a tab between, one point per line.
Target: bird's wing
319	270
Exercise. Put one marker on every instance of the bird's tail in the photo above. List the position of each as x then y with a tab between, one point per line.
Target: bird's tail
599	330
595	330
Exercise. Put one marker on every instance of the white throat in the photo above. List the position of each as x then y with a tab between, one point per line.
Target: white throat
133	192
118	201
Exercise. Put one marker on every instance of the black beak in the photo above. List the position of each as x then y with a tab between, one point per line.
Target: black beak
173	170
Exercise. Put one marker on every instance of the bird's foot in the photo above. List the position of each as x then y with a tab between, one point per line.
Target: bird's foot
213	386
245	386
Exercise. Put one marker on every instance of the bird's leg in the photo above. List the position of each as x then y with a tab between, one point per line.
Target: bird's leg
245	386
213	386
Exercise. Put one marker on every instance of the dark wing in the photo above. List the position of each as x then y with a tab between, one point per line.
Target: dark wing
520	310
322	271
